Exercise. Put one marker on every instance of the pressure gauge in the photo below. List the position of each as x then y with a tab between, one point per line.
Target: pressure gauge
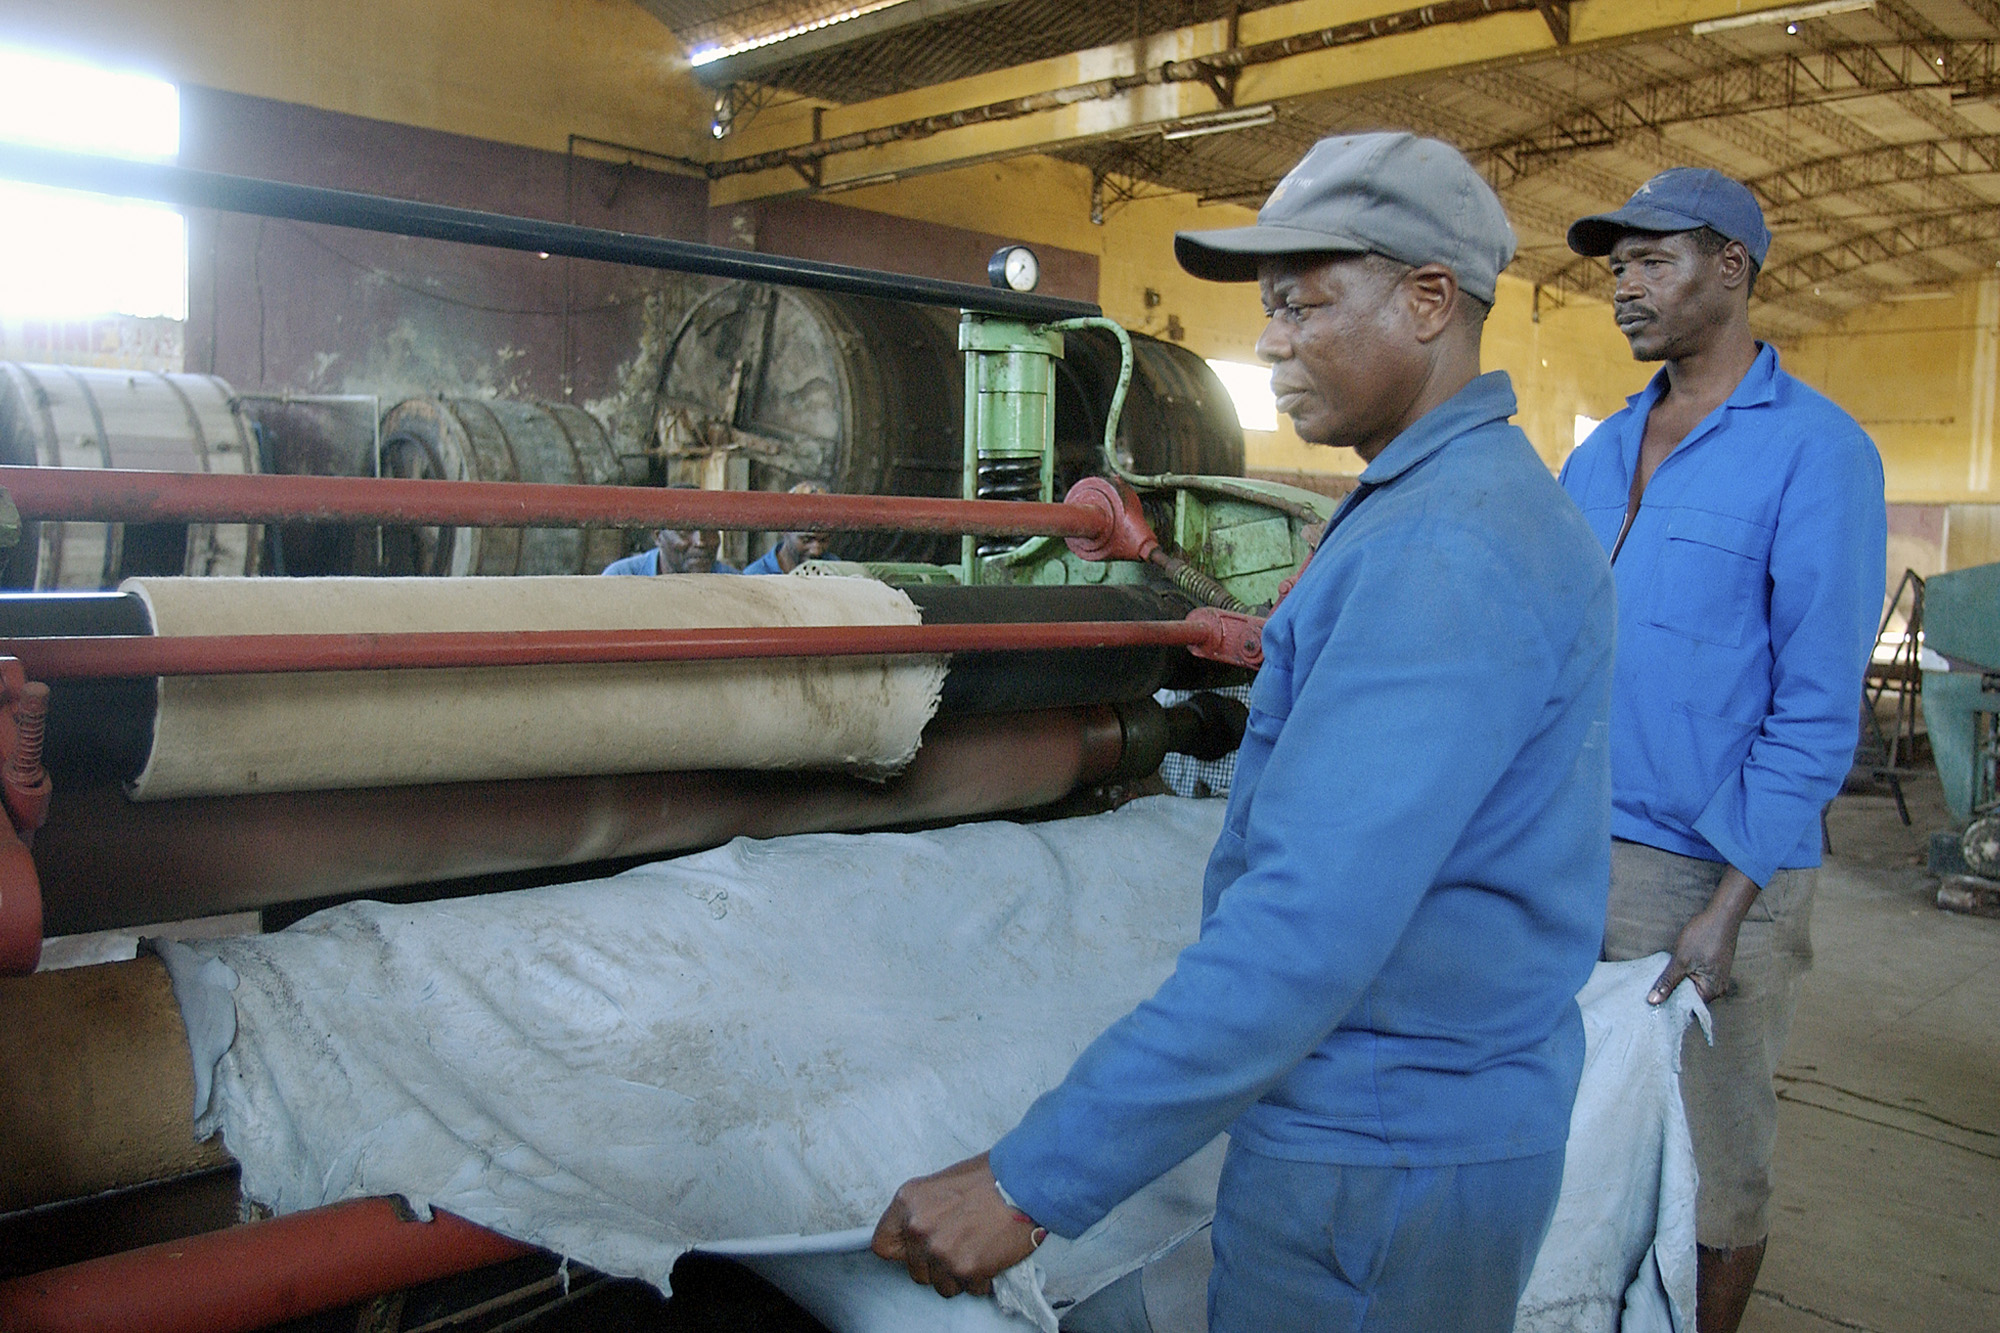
1014	268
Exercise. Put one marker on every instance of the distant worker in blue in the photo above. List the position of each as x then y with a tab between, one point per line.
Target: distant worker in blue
693	551
1745	520
794	548
1409	888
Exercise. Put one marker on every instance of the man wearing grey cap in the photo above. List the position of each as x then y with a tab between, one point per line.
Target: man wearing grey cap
1409	888
1745	520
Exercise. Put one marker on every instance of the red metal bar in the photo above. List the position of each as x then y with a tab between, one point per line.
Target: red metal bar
126	656
252	1276
114	496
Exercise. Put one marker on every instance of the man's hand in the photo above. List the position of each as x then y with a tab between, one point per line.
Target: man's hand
1706	950
953	1231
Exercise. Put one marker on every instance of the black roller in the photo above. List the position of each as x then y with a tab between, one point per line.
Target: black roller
1011	682
98	729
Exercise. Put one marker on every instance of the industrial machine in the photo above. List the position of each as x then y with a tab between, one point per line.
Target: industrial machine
1049	626
1962	686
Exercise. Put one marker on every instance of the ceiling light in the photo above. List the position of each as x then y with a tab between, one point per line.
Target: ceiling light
1220	122
1791	30
1791	16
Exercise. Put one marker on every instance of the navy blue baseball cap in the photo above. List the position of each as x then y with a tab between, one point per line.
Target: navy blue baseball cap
1679	199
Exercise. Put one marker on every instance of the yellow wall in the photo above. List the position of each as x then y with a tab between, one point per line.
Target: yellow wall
529	72
1567	362
1919	375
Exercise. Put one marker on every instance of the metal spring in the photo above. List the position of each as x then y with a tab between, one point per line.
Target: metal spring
1008	479
30	721
1204	589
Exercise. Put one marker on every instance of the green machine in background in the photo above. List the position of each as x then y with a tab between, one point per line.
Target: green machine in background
1962	686
1226	542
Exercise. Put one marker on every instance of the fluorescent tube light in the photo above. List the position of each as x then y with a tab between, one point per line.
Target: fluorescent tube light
1220	122
1789	14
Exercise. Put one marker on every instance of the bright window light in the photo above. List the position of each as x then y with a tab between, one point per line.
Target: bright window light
1584	425
1250	389
65	254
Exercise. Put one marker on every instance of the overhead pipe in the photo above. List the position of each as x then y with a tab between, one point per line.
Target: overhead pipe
256	1275
112	495
134	656
188	188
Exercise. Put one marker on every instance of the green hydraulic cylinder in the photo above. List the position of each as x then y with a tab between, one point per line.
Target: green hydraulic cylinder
1010	416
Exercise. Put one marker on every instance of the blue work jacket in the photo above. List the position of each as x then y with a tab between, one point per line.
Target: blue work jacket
1749	590
1409	889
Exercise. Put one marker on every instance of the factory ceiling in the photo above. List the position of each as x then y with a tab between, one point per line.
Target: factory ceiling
1871	131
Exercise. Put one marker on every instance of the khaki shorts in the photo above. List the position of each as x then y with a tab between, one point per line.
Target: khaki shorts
1732	1102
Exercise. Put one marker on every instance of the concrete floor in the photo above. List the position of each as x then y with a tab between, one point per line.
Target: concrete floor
1887	1213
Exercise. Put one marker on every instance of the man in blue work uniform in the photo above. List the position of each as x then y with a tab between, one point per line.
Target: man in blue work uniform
794	548
1409	888
676	552
1745	520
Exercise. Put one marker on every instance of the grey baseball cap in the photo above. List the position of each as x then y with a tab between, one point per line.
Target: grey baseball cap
1415	200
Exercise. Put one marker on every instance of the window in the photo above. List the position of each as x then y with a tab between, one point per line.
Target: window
66	254
1584	425
1250	389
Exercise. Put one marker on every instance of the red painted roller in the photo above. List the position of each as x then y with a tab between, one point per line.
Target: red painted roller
253	1276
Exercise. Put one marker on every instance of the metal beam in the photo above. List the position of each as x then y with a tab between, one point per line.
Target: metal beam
1924	234
1773	83
1891	164
1200	70
1290	51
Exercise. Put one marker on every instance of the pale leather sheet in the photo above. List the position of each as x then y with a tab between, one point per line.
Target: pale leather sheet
227	735
762	1040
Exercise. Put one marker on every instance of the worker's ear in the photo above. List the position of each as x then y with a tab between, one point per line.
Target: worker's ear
1734	266
1431	293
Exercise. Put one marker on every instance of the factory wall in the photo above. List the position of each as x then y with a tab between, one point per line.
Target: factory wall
1919	371
276	305
527	72
283	306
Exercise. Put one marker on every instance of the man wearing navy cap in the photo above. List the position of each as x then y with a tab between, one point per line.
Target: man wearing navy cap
1408	890
1745	520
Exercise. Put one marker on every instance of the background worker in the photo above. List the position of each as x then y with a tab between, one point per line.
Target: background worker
677	551
1380	1006
1745	520
794	548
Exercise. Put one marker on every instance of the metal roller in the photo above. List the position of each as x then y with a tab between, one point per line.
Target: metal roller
477	439
73	417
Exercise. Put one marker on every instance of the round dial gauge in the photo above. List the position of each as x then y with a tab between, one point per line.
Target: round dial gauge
1014	268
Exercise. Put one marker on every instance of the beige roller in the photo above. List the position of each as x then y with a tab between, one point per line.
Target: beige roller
226	735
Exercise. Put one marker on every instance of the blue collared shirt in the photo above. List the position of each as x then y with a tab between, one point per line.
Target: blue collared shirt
1409	888
1749	589
648	562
